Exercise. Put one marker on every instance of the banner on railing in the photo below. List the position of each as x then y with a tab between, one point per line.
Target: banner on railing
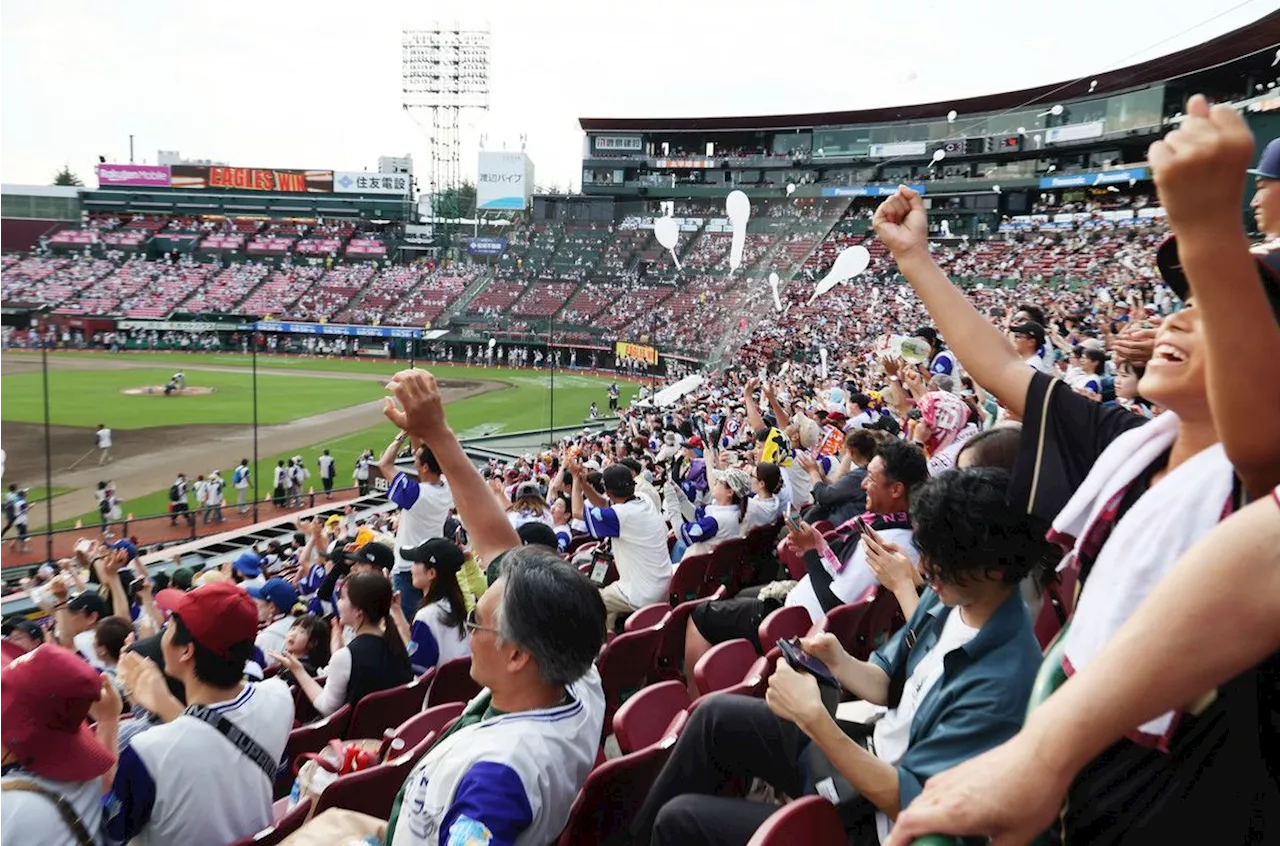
1086	180
868	190
486	246
638	352
289	328
348	182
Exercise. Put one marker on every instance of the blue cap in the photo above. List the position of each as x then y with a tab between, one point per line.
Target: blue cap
276	591
248	563
1269	162
131	551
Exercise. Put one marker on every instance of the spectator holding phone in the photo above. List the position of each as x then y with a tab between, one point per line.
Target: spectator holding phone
955	682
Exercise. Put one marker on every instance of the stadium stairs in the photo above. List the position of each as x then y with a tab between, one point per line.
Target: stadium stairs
463	302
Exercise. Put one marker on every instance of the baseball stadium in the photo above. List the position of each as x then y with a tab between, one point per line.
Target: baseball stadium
740	315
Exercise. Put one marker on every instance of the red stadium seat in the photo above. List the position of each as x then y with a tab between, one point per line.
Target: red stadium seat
883	618
670	660
726	559
754	683
372	791
784	624
384	709
724	665
687	580
647	617
848	624
812	820
452	683
433	720
287	824
612	795
309	738
624	664
645	717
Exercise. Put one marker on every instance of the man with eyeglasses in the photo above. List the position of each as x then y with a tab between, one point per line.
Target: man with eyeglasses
510	767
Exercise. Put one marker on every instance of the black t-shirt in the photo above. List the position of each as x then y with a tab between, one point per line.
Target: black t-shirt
374	667
1066	432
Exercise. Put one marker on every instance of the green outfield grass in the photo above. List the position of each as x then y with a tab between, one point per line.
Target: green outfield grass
524	405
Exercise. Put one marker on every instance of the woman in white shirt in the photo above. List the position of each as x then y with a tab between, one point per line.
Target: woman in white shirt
438	633
721	519
766	506
529	506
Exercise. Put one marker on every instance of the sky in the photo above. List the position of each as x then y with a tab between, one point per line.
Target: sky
279	83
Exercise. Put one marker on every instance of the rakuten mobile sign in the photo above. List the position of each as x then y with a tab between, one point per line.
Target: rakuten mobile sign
148	176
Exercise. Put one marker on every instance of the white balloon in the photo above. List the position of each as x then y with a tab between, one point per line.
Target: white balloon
995	188
667	231
1276	60
1093	84
791	188
773	283
1022	130
939	155
851	262
1056	110
738	208
493	342
951	116
1132	182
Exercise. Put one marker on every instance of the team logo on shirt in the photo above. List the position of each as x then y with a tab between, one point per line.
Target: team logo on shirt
468	832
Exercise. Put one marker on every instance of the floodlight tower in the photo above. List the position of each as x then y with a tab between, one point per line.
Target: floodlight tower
444	70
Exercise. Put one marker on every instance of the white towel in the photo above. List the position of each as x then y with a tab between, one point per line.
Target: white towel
1164	522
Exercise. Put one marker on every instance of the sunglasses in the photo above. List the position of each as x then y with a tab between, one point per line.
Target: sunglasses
472	626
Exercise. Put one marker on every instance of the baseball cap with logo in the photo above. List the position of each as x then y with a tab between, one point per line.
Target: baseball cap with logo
45	696
438	553
375	553
276	591
1170	265
218	615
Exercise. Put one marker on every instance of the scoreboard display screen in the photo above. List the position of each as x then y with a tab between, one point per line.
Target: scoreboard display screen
1003	143
975	145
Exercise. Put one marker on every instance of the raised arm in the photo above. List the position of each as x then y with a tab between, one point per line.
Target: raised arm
1197	169
901	223
749	401
421	414
387	462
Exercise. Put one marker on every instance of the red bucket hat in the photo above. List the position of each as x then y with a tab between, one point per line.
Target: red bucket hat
45	696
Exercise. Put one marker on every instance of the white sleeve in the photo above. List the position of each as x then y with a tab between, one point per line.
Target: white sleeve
335	686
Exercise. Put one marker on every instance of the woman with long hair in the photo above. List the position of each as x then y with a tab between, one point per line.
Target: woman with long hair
766	506
528	506
374	660
721	519
438	632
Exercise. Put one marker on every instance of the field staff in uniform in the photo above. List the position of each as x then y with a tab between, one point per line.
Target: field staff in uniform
361	473
102	440
326	463
240	479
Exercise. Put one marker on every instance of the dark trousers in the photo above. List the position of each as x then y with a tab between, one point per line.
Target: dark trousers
728	738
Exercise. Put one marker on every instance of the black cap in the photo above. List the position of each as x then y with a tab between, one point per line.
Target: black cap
537	533
88	601
619	480
438	553
19	623
1031	329
377	554
1171	270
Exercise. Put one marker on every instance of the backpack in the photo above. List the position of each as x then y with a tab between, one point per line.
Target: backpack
174	494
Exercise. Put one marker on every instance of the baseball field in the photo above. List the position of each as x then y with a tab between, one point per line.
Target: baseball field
304	405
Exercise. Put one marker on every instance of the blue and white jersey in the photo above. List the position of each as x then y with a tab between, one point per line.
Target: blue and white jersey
425	507
183	782
564	536
944	364
433	642
639	547
510	779
710	526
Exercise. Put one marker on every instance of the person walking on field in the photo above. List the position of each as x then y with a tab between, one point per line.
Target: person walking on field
102	440
279	485
240	478
326	473
361	474
19	508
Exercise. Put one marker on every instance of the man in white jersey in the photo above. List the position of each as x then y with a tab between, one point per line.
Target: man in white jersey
509	770
204	777
326	473
424	504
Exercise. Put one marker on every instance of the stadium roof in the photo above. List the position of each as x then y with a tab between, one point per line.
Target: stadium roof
1237	44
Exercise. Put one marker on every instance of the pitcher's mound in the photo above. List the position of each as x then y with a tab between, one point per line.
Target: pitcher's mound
158	390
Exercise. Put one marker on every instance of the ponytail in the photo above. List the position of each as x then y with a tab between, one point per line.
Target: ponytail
391	635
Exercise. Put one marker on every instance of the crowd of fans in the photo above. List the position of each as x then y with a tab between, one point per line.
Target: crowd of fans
983	464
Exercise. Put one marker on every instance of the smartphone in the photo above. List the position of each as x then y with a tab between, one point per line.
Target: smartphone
136	584
793	522
801	660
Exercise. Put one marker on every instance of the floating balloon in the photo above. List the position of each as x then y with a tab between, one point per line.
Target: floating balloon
1022	130
773	284
1056	110
791	188
938	155
738	208
1276	60
951	116
1036	138
1113	189
493	342
1093	85
1051	168
822	354
995	188
1132	182
850	262
667	231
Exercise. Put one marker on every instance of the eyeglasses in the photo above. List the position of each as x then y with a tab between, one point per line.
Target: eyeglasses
472	626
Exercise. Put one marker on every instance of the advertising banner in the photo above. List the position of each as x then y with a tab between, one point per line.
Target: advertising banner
1085	180
76	237
143	176
176	325
868	190
252	179
348	182
686	164
222	242
899	148
1073	132
617	143
505	181
318	246
364	247
486	246
337	329
259	246
415	233
637	352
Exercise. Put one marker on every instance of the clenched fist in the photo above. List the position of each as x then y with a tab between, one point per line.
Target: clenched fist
1199	168
902	224
420	410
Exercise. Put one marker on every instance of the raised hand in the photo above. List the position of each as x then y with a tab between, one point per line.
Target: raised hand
418	407
1198	168
902	224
